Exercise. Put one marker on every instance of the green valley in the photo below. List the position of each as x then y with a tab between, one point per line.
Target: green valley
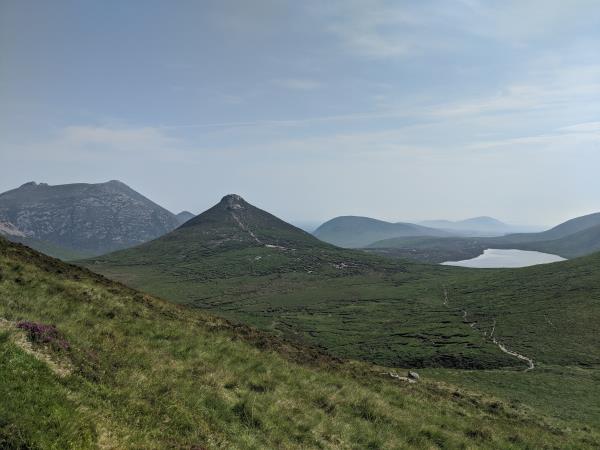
121	369
391	313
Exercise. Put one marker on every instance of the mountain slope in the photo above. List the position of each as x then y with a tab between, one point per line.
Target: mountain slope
560	231
119	369
85	218
430	249
233	221
12	233
573	245
234	238
247	265
356	232
395	314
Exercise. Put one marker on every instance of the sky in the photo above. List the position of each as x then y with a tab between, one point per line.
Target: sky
399	110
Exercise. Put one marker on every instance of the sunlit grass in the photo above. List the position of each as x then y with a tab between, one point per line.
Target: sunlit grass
148	374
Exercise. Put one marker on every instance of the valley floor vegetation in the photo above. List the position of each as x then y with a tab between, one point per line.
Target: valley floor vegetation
122	369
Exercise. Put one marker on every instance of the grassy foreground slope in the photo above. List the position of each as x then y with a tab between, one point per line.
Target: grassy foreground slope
121	369
547	313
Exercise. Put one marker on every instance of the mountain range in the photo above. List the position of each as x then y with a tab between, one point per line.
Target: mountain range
356	231
476	226
81	218
75	221
526	335
576	237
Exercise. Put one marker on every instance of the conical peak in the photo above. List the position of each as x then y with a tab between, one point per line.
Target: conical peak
233	201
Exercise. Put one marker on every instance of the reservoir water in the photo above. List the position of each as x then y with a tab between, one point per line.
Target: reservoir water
496	258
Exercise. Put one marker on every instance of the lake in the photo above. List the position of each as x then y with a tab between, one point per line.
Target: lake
496	258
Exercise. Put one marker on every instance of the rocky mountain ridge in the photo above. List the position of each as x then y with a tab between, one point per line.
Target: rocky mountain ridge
91	218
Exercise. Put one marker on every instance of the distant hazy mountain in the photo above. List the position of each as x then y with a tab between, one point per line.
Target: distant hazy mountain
576	237
357	232
307	225
83	218
477	226
184	216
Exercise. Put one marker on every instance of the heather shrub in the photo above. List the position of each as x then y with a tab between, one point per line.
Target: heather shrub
40	333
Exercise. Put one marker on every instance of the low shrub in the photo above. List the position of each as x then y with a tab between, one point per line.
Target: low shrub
40	333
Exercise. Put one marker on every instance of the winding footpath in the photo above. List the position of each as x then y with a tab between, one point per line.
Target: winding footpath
529	361
502	347
246	229
252	235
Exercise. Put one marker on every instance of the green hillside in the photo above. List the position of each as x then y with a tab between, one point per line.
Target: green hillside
234	238
571	246
247	265
430	249
357	305
560	231
87	363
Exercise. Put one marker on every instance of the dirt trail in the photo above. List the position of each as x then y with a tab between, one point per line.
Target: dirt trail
502	347
529	361
243	227
465	320
252	235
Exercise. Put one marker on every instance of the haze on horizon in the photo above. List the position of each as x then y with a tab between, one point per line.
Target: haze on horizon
394	110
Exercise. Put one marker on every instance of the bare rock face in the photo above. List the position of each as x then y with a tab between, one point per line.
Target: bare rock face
8	229
413	375
233	202
92	218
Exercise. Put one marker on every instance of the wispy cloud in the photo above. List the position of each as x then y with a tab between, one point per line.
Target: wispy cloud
549	89
388	29
102	143
563	137
374	29
126	139
587	127
298	84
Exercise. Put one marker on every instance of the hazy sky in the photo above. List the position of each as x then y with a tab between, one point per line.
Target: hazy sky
399	110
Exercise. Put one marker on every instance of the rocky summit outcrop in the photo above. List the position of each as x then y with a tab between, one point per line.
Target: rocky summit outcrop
90	218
